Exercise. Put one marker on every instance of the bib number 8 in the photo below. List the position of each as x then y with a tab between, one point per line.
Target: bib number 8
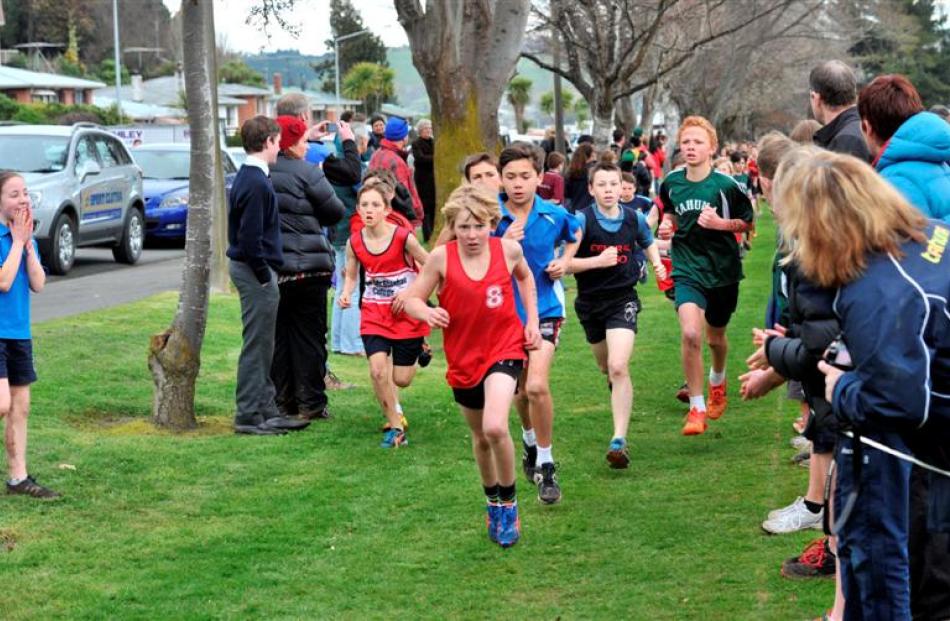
494	297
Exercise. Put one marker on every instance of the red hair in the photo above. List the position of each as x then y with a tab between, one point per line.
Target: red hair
702	123
887	102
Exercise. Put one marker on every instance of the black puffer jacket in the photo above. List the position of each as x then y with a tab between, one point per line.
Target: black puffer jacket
306	203
812	327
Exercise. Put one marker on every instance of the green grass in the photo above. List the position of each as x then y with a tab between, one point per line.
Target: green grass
322	524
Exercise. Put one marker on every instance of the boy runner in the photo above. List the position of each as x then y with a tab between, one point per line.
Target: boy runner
541	228
607	305
393	344
707	208
483	338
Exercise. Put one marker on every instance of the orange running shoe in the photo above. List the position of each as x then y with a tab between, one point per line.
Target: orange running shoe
717	400
695	423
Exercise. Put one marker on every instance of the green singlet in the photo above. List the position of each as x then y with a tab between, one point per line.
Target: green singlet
707	258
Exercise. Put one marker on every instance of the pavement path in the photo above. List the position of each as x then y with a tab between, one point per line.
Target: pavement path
97	281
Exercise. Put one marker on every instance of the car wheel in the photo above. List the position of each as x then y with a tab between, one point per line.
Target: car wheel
62	251
133	239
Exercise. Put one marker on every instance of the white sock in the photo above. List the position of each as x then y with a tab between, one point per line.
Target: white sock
716	378
544	456
398	408
528	436
697	402
15	481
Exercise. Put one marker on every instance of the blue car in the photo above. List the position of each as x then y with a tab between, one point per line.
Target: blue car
165	169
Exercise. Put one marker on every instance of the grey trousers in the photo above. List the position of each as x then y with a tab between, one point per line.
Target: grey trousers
255	391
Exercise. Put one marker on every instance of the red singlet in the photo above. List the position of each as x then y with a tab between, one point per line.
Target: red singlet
387	274
483	324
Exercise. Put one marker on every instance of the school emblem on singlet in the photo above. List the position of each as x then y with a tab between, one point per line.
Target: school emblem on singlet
494	297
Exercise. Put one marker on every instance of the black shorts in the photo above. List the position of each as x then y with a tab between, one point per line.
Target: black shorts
599	315
16	361
719	303
551	330
405	352
474	398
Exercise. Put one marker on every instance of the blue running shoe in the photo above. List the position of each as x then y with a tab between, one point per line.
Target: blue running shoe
394	438
617	455
509	527
493	520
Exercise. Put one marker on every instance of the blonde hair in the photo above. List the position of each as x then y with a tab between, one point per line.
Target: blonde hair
477	201
804	131
702	123
836	210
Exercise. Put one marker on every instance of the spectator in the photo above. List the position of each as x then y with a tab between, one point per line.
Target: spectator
551	188
911	148
344	174
548	144
833	96
576	193
804	131
307	205
392	155
423	156
377	124
856	235
20	275
254	247
298	105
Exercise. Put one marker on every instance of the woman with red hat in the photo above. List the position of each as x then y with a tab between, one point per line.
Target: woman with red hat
306	204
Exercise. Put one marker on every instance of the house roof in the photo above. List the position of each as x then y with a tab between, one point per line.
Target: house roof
13	78
394	110
140	111
162	91
235	90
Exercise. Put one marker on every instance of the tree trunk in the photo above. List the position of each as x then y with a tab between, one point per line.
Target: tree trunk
627	115
519	119
465	51
602	112
220	279
646	114
174	355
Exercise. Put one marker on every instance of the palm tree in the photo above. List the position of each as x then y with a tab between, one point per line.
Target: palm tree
581	110
547	102
519	95
370	83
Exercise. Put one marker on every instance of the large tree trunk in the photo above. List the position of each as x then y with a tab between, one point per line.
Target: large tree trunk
465	51
602	113
174	355
649	106
626	115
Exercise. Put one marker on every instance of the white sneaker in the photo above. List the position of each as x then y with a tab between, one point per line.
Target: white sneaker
800	443
793	519
798	502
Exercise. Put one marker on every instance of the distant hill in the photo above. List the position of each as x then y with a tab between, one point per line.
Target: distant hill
410	92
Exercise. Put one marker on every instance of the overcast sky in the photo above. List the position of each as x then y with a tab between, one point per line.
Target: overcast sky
313	16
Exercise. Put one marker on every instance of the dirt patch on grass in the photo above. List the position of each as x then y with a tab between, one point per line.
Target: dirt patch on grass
118	425
8	540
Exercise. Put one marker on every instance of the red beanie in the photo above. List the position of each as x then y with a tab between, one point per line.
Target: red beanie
291	129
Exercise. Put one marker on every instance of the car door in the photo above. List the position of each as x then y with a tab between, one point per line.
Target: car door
108	204
95	202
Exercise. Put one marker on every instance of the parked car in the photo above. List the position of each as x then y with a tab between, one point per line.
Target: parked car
86	188
238	155
166	168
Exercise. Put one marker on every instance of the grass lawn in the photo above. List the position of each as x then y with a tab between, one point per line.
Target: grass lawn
323	524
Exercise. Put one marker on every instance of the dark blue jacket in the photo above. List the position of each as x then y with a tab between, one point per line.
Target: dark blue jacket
896	325
915	161
253	223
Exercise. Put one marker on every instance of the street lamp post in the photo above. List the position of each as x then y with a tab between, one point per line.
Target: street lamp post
118	58
336	58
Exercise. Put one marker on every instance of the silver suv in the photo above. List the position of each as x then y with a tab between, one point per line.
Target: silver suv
86	188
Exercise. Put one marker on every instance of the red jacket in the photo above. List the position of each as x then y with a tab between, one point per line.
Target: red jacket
390	157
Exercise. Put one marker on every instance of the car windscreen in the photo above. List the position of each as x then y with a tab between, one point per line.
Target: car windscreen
33	154
163	164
